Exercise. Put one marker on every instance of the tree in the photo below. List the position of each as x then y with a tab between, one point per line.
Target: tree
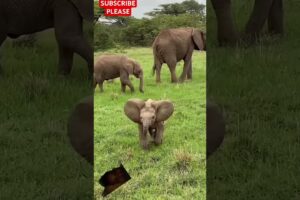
175	9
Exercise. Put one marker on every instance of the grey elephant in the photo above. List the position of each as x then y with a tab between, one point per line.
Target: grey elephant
173	45
81	128
113	66
150	116
25	17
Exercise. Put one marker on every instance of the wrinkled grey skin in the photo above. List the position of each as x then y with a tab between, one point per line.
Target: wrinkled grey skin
264	10
26	17
150	116
113	66
81	129
174	45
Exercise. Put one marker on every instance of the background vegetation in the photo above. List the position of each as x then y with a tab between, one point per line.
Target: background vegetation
37	160
258	88
174	170
130	31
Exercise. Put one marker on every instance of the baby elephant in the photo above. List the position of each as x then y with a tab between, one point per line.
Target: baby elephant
150	116
113	66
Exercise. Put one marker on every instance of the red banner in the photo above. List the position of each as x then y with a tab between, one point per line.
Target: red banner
117	8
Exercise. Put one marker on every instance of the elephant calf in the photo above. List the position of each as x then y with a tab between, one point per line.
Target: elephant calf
150	116
113	66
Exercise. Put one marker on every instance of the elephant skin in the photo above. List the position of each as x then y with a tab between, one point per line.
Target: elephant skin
264	10
150	116
215	128
81	129
113	66
173	45
66	16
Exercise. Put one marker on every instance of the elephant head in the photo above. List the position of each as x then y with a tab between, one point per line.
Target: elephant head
199	39
149	112
136	69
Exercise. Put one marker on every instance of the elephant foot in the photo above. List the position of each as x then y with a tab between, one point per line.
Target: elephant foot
158	142
141	90
181	80
145	146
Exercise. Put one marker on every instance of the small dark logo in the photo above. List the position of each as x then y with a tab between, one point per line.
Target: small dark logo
113	179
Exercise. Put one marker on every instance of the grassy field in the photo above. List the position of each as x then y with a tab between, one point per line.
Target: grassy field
177	168
37	161
258	88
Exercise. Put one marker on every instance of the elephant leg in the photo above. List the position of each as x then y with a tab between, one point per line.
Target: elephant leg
187	63
101	86
65	60
123	87
190	71
69	33
258	18
143	137
172	68
227	33
275	20
159	134
158	71
125	81
2	38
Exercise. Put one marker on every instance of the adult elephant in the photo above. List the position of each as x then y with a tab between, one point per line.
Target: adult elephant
173	45
66	16
264	10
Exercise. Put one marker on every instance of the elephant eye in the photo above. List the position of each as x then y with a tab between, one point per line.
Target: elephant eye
153	117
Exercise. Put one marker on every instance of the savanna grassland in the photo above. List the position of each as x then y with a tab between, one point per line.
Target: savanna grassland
258	89
37	160
177	168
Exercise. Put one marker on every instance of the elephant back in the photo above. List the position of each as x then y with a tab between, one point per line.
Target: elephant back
85	8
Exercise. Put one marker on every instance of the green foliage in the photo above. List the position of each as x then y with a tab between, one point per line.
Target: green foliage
177	168
175	9
103	37
129	31
141	32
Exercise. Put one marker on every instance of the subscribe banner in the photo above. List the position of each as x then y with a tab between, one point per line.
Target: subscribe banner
117	8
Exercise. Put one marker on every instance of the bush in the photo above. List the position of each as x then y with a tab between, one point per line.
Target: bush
141	32
102	37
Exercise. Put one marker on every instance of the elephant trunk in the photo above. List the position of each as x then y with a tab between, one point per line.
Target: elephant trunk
141	82
146	125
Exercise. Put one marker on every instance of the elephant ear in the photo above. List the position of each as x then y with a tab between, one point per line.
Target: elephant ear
81	129
132	109
164	109
85	8
198	38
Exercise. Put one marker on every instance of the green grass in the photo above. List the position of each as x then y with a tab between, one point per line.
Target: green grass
177	168
37	161
258	88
